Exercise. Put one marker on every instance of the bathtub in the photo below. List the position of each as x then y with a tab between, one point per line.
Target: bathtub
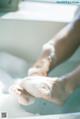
24	38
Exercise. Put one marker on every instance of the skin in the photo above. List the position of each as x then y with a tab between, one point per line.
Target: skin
65	43
54	89
67	37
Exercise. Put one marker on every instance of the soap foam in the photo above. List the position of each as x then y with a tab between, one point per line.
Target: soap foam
22	95
50	47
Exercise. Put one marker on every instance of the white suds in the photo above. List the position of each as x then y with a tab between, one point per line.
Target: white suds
32	70
2	87
50	47
17	90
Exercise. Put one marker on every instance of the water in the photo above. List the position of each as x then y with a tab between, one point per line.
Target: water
9	105
71	105
11	69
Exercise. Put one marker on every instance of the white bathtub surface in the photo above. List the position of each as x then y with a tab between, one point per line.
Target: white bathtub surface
42	12
60	116
25	39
